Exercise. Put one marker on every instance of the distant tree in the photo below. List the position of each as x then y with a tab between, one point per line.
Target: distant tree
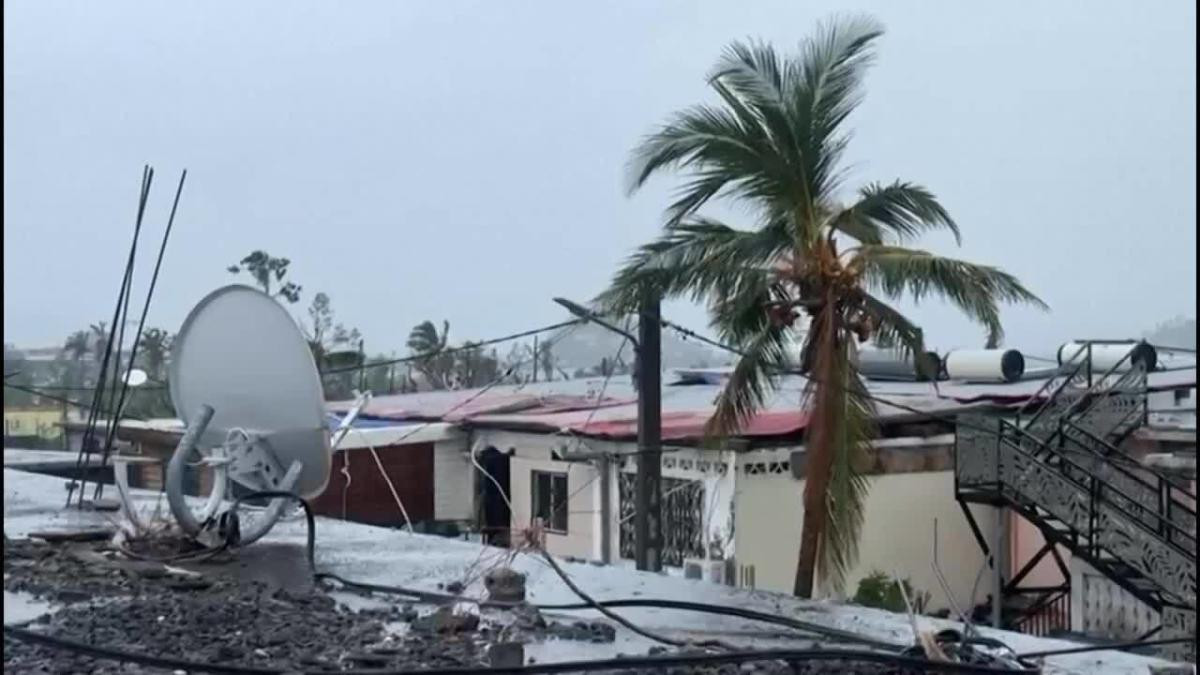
546	358
425	342
324	338
77	346
473	367
1178	332
322	334
266	269
99	337
16	372
152	352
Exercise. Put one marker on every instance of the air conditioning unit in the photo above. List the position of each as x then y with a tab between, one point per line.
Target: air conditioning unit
712	571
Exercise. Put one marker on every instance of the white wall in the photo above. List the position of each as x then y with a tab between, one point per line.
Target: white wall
897	535
534	452
1101	608
453	492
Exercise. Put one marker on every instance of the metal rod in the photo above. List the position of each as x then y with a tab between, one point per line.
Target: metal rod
98	396
162	249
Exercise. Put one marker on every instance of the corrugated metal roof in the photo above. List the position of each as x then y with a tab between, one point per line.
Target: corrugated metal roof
575	406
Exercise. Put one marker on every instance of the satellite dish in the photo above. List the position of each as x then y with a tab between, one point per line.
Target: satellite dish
243	381
135	377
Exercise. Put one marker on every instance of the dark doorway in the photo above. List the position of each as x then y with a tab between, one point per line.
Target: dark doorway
497	518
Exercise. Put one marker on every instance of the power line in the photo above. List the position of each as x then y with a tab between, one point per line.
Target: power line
453	350
42	393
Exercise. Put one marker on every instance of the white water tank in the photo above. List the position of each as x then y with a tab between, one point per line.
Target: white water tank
1106	355
985	365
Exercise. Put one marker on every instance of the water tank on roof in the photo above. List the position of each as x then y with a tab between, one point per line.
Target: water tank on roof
985	365
887	364
1107	355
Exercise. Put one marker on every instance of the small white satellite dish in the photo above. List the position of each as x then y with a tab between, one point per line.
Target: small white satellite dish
244	382
135	377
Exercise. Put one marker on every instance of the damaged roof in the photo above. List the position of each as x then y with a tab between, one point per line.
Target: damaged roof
593	407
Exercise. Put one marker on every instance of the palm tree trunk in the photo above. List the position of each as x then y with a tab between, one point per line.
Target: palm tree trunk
818	446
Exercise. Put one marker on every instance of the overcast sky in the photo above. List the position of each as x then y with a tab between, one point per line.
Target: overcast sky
465	160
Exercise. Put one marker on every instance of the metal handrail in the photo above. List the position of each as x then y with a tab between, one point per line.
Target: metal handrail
1093	387
1117	451
1066	381
1100	487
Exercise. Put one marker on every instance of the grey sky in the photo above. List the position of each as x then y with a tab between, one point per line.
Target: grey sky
464	160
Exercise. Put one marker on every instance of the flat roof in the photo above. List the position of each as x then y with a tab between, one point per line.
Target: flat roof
394	557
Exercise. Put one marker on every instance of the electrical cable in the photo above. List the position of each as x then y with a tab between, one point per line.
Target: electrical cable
387	479
596	665
453	350
60	399
1107	647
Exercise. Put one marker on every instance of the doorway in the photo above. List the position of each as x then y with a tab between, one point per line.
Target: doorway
497	517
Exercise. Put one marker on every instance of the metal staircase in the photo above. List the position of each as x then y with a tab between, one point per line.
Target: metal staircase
1060	467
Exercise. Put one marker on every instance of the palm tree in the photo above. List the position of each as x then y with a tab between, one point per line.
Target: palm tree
425	341
155	344
99	333
775	143
265	268
77	346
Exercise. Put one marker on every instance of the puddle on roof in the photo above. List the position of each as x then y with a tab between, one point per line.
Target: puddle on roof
22	607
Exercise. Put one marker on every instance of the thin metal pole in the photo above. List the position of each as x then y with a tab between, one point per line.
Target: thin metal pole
97	403
998	558
605	466
648	523
137	338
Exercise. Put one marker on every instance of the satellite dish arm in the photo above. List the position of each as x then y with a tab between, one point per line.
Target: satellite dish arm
178	465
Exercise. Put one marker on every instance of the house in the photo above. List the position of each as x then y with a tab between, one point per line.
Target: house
565	453
411	457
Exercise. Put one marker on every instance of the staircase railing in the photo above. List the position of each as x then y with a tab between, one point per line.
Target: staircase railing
1106	517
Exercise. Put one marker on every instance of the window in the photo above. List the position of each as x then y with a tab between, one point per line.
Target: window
550	500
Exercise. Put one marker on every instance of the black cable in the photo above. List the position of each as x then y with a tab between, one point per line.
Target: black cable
664	661
49	387
41	392
1100	648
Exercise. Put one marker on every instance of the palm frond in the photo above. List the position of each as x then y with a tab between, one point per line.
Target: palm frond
824	87
897	331
695	258
975	289
903	210
749	383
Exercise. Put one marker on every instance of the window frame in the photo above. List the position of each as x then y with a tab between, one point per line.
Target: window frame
548	520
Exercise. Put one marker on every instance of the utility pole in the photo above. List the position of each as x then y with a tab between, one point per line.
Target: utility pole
648	518
647	377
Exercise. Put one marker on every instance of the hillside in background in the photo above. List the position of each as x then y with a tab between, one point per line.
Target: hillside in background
1177	332
585	345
